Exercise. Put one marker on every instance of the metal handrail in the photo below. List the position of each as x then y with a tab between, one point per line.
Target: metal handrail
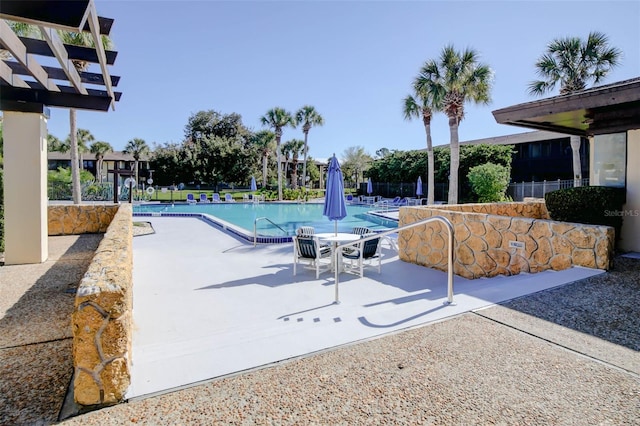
255	228
338	251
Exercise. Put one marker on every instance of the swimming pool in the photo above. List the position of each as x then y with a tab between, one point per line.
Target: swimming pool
239	218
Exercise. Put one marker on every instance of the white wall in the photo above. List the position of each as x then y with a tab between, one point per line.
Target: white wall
25	188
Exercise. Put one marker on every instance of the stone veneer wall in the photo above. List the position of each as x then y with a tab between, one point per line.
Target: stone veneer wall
102	320
80	218
483	234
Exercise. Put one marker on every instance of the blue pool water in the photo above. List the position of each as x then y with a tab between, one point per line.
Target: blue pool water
288	216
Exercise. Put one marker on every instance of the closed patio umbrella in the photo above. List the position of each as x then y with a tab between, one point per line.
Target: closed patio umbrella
254	186
419	187
335	207
369	187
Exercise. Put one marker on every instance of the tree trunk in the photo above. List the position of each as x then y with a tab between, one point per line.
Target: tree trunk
279	167
304	166
135	186
265	161
577	166
75	170
294	175
430	167
455	161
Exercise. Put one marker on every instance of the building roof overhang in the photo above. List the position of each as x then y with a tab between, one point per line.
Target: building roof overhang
606	109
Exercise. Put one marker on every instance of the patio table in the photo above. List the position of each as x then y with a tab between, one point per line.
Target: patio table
335	239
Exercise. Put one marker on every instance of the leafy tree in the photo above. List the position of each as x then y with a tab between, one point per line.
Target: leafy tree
219	159
308	117
86	40
572	62
166	160
100	149
265	142
454	79
489	182
137	148
83	138
423	105
210	123
355	161
278	118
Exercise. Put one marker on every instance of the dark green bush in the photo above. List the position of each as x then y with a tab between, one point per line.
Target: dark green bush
594	205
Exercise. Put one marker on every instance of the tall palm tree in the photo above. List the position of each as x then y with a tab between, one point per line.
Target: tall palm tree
295	148
454	79
78	39
137	148
100	149
277	118
422	105
308	117
265	140
572	62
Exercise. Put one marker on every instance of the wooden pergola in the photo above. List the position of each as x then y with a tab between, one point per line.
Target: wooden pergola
27	90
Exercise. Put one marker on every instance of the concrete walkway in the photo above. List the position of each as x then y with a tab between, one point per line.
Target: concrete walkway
207	305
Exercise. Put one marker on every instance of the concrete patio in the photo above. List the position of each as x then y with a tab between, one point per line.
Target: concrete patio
207	305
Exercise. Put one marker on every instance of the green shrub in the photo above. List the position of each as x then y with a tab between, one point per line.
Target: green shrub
489	182
594	205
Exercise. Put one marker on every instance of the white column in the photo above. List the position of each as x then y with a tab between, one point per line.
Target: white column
25	188
577	166
630	232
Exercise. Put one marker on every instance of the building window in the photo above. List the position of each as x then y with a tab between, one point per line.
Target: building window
610	160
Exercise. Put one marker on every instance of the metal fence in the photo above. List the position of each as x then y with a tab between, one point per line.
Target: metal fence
92	191
519	190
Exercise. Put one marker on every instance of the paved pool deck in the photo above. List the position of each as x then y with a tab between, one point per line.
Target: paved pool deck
207	305
567	354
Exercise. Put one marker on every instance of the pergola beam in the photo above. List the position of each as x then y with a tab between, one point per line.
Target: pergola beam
79	53
57	74
69	15
7	75
54	42
13	44
97	40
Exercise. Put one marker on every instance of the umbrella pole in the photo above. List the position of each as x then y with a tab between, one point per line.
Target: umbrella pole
335	227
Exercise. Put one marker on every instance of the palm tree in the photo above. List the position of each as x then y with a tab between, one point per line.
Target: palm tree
55	144
573	62
308	117
100	149
78	39
422	105
455	78
265	140
296	147
84	139
277	118
137	148
285	150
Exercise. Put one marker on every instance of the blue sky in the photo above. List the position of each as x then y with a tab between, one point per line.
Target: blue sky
353	61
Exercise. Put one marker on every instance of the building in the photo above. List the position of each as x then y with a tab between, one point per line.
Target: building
609	116
540	155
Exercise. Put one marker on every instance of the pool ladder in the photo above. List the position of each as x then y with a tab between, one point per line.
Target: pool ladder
255	228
